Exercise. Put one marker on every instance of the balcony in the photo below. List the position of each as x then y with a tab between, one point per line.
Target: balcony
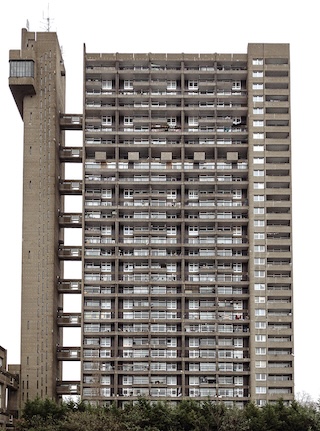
8	379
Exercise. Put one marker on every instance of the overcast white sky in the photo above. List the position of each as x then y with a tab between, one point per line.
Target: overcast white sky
174	26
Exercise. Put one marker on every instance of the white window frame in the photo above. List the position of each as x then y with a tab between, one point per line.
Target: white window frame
128	120
128	84
257	86
261	351
258	123
257	61
259	286
259	274
258	148
258	111
260	312
193	85
171	84
260	338
258	135
106	84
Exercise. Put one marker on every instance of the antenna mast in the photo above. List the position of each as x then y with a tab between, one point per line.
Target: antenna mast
47	21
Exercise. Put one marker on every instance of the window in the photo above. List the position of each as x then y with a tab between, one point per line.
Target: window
193	194
258	160
258	173
261	390
107	121
259	286
128	193
127	380
106	193
257	74
261	376
22	69
260	325
106	303
258	136
260	338
127	230
259	223
171	230
171	85
192	85
193	121
257	98
258	185
128	121
107	85
238	342
258	111
193	267
128	267
261	364
259	235
236	85
128	85
171	267
193	304
259	299
259	248
258	198
194	342
259	261
259	312
259	274
257	61
261	351
105	342
258	148
258	123
256	86
258	210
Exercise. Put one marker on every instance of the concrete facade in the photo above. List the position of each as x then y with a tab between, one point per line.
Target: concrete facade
9	385
186	249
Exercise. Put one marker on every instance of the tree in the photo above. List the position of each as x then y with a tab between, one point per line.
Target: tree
187	415
41	414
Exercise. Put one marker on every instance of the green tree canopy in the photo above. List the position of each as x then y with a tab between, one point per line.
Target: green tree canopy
187	415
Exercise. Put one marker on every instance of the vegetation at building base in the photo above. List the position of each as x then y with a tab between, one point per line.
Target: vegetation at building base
46	415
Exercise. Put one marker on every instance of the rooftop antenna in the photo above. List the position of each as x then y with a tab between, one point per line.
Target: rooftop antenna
47	21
